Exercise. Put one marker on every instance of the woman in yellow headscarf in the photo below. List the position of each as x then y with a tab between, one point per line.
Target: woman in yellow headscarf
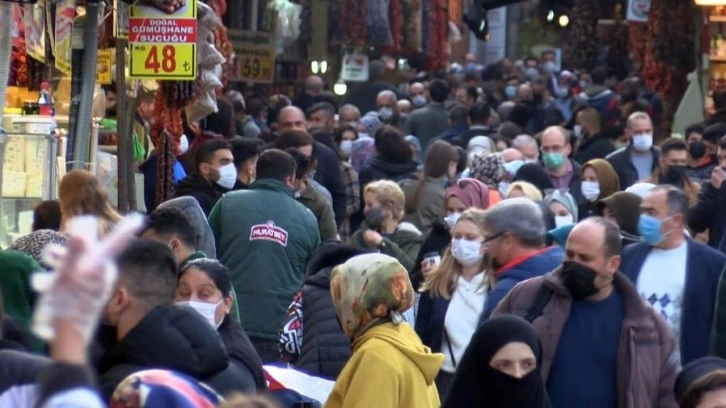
389	367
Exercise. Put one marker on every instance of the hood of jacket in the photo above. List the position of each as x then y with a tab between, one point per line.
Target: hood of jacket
393	170
171	337
596	92
406	341
324	258
195	184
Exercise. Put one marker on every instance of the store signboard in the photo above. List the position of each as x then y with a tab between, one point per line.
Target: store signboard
163	40
355	68
65	11
34	23
121	14
638	10
104	66
254	56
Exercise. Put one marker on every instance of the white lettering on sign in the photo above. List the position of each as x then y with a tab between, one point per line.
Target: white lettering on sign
268	232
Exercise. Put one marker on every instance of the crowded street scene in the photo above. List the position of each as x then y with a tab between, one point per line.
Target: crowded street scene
363	204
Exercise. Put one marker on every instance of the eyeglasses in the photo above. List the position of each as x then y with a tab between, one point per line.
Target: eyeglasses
492	238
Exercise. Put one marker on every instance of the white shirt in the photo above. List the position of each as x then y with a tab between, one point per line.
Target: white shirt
661	283
462	319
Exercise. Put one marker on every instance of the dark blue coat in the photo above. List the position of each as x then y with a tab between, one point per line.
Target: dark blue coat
703	269
430	320
534	266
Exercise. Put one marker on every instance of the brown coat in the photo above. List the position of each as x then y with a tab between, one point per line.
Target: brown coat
647	358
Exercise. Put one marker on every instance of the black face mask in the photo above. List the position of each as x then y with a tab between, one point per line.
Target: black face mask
697	149
537	99
676	174
579	280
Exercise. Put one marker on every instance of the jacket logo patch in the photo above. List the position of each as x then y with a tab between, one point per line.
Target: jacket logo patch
268	232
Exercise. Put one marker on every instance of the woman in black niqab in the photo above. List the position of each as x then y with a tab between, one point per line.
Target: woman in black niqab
480	385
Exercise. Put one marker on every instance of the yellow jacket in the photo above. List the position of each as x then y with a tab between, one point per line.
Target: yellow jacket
389	368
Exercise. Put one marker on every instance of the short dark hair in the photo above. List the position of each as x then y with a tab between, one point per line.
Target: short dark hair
719	99
392	146
148	271
255	106
293	138
220	122
321	106
439	90
695	128
712	381
205	151
47	215
676	199
458	114
276	164
172	221
302	161
715	132
673	145
245	148
438	156
612	243
238	106
463	159
479	112
722	143
472	92
217	272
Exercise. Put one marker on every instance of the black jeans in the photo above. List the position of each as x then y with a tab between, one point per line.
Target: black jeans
268	350
443	383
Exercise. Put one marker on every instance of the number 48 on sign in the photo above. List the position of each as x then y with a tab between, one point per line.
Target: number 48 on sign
163	61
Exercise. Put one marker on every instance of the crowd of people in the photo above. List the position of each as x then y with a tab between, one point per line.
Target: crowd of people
505	237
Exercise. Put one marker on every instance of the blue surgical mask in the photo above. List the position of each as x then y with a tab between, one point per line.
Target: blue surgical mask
510	91
649	229
385	114
418	101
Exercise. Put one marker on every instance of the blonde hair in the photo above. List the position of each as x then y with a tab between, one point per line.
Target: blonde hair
387	191
79	194
441	282
528	189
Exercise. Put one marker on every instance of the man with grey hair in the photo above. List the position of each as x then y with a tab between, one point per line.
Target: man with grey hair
528	146
676	275
348	115
387	107
640	158
365	93
563	171
514	240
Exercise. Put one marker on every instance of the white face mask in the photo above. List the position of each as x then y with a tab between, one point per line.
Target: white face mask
385	114
590	190
561	220
227	176
467	252
504	188
643	143
418	101
451	219
577	131
346	147
207	310
183	144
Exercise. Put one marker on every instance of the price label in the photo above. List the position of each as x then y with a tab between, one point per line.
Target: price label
163	61
255	68
103	67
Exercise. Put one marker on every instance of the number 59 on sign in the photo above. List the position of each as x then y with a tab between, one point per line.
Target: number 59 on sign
163	61
254	68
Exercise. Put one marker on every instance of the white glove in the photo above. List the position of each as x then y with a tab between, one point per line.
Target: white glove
83	275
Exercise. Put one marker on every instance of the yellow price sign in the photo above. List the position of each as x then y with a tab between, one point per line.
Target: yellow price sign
163	61
103	67
255	68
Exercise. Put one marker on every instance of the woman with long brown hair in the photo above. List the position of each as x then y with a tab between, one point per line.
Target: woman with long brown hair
80	193
453	296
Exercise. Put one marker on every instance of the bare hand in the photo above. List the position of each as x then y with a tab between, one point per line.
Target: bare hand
717	176
372	238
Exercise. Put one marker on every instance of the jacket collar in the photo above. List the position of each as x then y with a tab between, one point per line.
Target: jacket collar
271	185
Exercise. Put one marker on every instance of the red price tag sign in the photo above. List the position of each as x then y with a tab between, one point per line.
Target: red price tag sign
163	61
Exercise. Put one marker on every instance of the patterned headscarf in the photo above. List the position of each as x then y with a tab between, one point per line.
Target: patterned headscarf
34	243
367	288
488	169
163	388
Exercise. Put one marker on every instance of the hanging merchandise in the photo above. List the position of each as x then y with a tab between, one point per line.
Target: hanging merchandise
378	26
353	21
210	66
65	12
287	27
5	31
411	12
34	23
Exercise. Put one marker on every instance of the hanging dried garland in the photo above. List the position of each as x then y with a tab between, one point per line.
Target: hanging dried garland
581	50
618	55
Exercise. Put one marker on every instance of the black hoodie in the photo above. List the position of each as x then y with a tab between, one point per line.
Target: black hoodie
378	169
325	348
198	187
172	338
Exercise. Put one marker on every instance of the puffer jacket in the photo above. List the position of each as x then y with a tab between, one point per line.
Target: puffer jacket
403	244
647	354
264	237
